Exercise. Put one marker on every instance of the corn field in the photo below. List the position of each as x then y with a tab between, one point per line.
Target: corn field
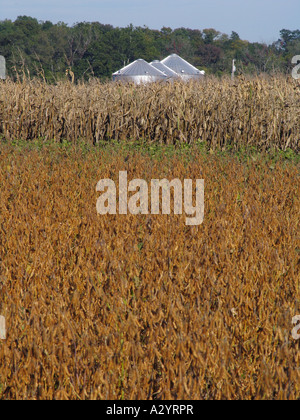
263	112
144	307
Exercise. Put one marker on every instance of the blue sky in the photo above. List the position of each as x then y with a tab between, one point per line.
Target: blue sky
254	20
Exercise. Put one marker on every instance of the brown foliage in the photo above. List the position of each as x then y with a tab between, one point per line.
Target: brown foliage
144	307
259	112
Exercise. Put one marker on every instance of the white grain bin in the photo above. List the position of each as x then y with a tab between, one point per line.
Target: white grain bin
139	72
164	69
2	68
184	69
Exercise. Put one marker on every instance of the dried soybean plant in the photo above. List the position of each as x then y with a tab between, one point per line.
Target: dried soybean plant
129	307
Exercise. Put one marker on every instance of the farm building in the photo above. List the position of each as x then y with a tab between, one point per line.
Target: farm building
166	70
139	72
171	67
184	69
2	68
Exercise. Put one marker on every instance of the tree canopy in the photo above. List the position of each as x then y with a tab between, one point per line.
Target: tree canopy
46	50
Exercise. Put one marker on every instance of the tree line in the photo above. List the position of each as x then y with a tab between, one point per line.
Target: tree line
46	50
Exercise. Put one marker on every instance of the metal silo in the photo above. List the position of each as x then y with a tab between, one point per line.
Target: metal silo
164	69
139	72
184	69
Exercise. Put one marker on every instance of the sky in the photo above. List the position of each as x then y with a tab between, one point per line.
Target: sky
253	20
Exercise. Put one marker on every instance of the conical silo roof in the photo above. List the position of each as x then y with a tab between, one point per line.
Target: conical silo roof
163	68
181	66
140	68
